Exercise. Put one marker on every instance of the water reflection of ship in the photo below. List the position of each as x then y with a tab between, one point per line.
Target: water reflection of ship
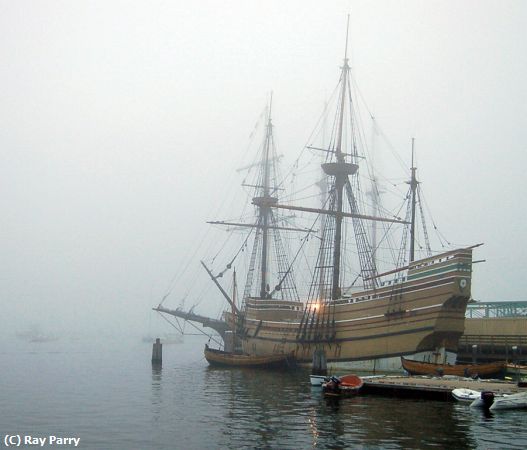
351	312
247	400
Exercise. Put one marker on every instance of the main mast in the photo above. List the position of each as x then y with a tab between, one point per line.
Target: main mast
265	210
413	187
340	170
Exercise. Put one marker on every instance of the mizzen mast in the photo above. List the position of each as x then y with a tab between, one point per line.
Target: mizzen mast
415	201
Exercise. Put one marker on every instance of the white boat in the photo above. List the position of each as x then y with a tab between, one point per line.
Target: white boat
466	395
485	400
512	401
317	380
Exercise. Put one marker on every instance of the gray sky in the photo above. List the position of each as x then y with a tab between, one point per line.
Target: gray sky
123	120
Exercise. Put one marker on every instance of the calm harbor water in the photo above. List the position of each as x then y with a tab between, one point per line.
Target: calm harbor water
106	393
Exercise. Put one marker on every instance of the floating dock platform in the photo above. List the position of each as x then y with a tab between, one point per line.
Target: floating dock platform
438	388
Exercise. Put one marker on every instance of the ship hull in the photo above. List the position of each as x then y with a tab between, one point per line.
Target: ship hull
423	312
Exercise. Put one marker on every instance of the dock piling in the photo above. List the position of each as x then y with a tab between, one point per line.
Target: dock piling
157	352
319	366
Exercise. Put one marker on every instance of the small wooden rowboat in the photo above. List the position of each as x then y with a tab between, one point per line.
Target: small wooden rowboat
229	359
460	370
344	385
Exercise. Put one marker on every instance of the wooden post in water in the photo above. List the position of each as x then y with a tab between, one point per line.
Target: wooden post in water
157	352
515	361
320	366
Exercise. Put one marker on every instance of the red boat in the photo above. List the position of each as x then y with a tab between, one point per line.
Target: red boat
344	385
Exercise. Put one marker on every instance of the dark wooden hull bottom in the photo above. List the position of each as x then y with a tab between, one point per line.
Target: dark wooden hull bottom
460	370
220	358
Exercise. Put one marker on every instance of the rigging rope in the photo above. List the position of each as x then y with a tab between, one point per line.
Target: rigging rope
229	265
303	241
441	236
316	127
177	328
381	133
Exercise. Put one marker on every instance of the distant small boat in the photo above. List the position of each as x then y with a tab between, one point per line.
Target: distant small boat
512	401
230	359
460	370
465	395
36	336
344	385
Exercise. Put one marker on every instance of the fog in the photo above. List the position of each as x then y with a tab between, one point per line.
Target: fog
122	122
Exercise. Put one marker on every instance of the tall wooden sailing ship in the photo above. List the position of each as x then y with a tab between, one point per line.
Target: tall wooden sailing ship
417	306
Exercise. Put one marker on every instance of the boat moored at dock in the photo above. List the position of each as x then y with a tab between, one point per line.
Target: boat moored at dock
231	359
461	370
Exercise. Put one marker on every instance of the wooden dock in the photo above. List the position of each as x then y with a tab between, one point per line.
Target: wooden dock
439	388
